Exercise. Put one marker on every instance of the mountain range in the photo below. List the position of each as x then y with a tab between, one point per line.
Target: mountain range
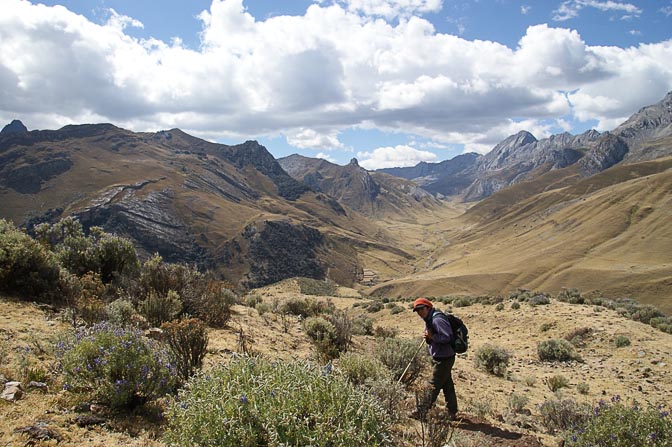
590	211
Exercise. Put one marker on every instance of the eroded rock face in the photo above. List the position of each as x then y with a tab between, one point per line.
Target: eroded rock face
28	179
150	221
279	250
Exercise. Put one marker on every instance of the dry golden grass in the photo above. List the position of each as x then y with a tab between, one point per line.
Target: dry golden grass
640	371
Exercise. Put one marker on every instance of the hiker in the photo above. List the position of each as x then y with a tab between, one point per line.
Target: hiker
438	336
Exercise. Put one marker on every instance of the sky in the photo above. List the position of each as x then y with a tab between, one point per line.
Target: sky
389	82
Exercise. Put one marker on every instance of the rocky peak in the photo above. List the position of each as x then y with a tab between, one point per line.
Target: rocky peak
353	162
15	126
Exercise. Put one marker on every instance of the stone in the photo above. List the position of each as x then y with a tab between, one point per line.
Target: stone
13	391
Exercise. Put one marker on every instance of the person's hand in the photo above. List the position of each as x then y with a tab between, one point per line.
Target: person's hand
428	336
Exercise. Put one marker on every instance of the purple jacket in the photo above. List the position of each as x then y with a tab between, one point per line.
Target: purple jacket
439	347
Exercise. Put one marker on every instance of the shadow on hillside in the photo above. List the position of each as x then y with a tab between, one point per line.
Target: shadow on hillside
498	436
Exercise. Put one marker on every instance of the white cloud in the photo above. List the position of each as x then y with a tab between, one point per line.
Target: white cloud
392	8
393	157
667	10
525	9
313	76
635	32
327	157
312	139
570	9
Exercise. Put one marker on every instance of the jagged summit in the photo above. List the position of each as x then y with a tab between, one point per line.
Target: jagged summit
16	126
353	162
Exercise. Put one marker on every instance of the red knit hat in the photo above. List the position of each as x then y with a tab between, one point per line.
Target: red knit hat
420	303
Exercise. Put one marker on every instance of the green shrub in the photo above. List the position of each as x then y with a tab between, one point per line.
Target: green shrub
556	382
307	307
492	359
545	327
374	306
121	312
621	341
359	368
214	305
499	307
396	309
579	335
159	309
397	353
119	367
515	305
571	296
516	402
557	415
618	425
539	300
385	332
252	300
582	388
323	335
310	286
188	343
27	268
362	325
343	329
263	308
253	402
557	350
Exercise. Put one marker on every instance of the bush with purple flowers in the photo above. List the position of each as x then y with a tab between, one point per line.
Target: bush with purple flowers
254	401
617	424
117	366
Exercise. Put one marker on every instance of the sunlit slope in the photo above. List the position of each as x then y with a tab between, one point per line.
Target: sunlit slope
611	233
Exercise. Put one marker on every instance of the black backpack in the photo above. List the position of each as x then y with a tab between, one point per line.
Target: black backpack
460	341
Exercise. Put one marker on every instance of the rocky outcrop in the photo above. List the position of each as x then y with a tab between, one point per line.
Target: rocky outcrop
15	126
608	151
278	250
28	179
150	221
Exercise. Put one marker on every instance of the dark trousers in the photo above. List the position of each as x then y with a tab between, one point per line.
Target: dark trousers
442	379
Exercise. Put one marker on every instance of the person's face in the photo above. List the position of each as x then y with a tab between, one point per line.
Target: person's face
422	312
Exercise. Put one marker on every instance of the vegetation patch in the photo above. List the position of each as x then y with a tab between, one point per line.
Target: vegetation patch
253	402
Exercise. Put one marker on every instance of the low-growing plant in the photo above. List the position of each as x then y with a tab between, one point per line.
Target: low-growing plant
323	335
571	296
515	305
252	300
492	359
159	309
559	350
385	332
556	382
480	407
557	415
263	308
117	366
253	401
310	286
362	325
621	341
516	402
214	305
27	267
579	335
530	380
582	388
396	309
121	312
359	368
397	353
539	300
374	306
188	343
616	424
343	328
499	307
545	327
307	307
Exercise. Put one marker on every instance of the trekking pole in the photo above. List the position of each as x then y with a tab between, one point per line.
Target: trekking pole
422	343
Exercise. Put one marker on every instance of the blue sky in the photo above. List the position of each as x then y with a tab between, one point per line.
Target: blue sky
391	82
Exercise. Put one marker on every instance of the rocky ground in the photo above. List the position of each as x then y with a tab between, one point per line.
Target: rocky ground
638	372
